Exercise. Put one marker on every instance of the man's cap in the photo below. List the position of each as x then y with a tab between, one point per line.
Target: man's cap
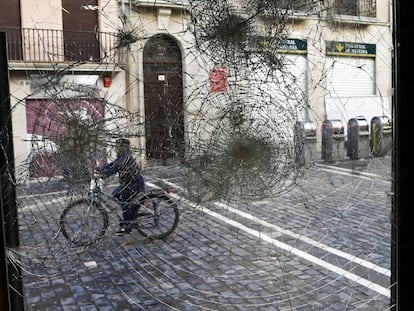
122	142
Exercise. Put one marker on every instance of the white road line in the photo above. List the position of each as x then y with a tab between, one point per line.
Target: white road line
26	196
302	238
350	172
42	204
351	276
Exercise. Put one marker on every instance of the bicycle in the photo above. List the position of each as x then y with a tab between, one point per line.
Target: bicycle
85	221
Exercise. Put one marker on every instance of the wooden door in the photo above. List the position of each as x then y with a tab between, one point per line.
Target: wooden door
163	99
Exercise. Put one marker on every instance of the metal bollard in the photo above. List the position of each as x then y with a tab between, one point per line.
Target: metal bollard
381	136
333	140
305	143
358	138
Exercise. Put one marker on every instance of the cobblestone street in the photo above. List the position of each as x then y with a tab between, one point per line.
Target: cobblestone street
324	245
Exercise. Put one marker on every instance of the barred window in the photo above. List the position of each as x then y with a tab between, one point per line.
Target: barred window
365	8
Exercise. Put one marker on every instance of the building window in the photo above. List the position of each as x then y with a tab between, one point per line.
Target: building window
365	8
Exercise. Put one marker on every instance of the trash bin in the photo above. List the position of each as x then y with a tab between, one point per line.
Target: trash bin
305	143
381	136
333	140
358	138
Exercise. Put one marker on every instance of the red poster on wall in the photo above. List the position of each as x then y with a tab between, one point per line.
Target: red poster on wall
218	79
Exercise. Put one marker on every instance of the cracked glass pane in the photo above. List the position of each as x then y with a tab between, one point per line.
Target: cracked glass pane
188	155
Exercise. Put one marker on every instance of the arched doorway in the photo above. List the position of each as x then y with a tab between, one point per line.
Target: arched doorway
163	99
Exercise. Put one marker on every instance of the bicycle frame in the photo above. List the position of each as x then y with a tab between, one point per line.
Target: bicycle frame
96	192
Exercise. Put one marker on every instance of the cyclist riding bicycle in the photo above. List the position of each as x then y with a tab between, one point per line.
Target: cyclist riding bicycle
130	181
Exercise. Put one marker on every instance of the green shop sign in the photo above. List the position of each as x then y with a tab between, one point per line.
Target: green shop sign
337	48
293	46
296	46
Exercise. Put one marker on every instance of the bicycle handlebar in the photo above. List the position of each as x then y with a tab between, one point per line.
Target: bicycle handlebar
97	179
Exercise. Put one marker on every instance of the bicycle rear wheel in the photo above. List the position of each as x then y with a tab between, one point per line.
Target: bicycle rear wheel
84	222
157	216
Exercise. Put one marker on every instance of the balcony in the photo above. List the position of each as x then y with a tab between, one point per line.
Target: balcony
351	10
362	8
61	46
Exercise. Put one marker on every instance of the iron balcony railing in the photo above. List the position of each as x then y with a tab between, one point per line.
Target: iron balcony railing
356	8
57	46
363	8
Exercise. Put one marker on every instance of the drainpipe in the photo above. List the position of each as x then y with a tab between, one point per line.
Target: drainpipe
123	14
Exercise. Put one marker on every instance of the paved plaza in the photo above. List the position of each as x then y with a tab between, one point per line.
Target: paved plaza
323	245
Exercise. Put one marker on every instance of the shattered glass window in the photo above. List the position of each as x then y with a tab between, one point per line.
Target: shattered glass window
199	155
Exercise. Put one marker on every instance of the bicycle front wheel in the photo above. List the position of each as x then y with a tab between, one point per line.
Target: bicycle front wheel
157	216
84	222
